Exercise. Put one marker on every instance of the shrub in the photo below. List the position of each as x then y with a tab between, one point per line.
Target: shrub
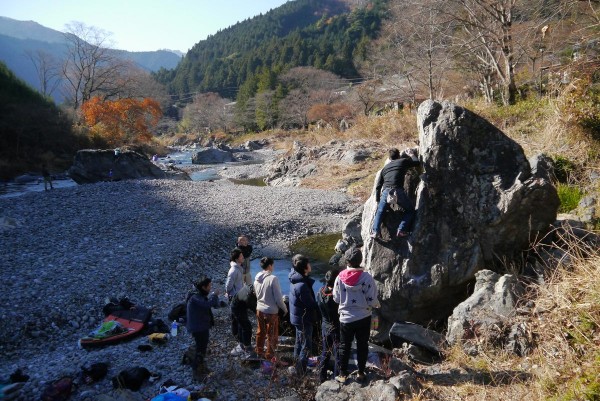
569	195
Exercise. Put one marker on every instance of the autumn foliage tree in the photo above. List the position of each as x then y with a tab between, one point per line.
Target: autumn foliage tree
123	121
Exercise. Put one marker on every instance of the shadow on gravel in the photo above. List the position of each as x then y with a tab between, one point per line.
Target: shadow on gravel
500	378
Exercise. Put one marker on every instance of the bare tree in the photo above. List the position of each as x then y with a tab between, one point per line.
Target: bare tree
208	112
47	70
418	47
91	68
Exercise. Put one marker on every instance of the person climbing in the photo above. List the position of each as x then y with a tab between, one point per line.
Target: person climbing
243	244
234	283
270	301
303	307
199	321
356	293
242	301
330	326
391	179
47	177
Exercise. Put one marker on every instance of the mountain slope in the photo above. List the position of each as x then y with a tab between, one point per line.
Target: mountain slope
18	38
327	34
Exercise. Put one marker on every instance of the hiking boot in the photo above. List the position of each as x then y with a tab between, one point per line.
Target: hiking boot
361	377
238	350
341	378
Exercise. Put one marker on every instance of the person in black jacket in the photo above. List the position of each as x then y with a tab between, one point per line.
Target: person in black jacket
199	321
242	301
330	326
391	178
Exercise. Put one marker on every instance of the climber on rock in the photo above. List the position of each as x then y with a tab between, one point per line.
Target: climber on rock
391	180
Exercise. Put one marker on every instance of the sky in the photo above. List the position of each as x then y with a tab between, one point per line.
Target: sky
141	25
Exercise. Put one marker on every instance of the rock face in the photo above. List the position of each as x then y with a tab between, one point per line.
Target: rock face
212	156
492	303
479	204
92	165
301	162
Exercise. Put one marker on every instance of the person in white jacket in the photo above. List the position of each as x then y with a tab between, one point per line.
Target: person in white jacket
233	284
270	301
356	293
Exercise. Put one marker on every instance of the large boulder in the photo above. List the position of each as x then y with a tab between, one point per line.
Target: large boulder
92	165
212	156
489	309
478	205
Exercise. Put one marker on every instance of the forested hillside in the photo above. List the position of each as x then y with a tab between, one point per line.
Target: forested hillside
32	129
326	34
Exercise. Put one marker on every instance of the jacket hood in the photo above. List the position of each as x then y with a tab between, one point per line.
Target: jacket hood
296	277
351	276
262	276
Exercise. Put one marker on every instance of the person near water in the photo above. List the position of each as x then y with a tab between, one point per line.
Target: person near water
330	326
242	302
391	178
356	293
269	302
303	310
199	321
233	284
243	244
47	178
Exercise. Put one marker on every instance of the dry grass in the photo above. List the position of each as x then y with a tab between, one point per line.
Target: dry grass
565	365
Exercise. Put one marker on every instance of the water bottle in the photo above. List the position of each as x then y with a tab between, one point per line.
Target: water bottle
174	328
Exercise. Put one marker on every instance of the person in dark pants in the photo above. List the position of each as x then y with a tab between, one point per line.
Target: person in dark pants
391	178
243	301
356	293
47	178
199	321
330	326
233	284
303	310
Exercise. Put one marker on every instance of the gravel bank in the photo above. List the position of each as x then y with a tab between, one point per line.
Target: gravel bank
64	251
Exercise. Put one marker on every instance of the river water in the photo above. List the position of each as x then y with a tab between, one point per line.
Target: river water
35	183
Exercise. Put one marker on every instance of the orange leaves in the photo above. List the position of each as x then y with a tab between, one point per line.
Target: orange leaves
123	121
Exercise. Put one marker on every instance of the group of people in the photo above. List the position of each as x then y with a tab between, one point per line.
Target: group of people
345	303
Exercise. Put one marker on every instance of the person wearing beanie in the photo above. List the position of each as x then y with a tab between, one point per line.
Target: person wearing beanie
330	326
390	179
356	293
303	308
199	321
269	302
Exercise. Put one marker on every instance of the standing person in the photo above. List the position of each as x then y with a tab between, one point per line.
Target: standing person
199	321
47	178
270	300
392	178
243	244
356	293
242	301
234	283
330	326
303	307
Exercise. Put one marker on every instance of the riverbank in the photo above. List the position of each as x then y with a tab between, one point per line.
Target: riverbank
66	250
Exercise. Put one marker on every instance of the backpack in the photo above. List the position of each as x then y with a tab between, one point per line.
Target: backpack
58	390
178	313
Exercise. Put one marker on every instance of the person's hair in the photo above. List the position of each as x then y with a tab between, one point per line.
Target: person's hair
235	254
203	282
265	262
330	277
300	262
394	153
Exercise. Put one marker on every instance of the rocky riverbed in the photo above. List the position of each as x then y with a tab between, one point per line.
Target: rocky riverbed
63	252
